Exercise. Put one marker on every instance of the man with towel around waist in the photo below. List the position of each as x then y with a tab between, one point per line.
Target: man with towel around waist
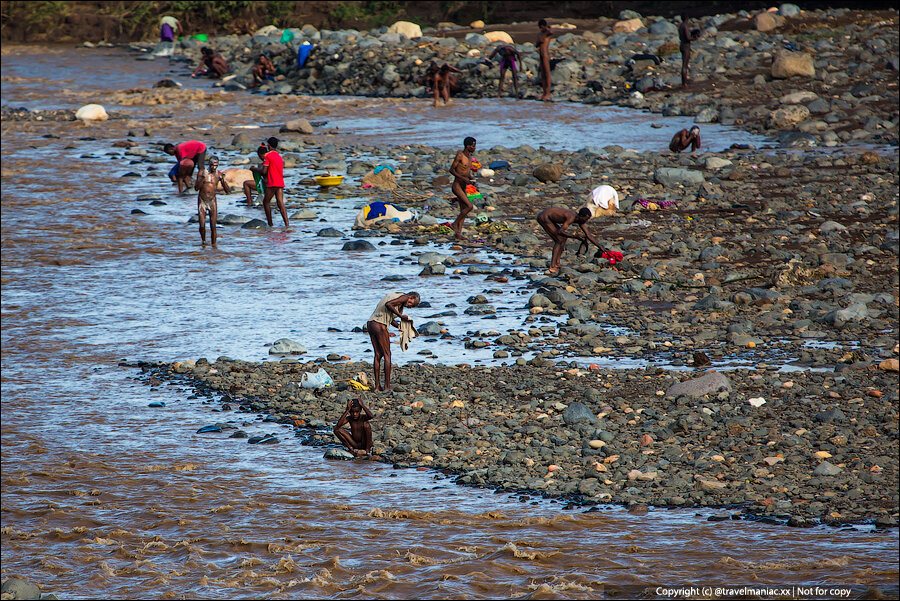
389	309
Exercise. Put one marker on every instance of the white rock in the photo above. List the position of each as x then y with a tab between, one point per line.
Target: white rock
757	401
486	172
410	30
499	36
92	112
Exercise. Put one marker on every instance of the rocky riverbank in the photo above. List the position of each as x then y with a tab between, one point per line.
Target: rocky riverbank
810	78
802	447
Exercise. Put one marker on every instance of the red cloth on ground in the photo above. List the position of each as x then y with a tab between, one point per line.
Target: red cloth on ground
612	256
275	172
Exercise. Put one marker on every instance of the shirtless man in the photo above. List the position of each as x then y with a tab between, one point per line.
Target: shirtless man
461	171
358	439
543	44
211	63
508	57
443	81
258	182
388	311
207	181
193	150
555	220
685	138
685	37
262	70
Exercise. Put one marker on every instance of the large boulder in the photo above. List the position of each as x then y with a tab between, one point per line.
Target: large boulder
671	177
235	179
765	22
709	383
577	413
788	115
286	346
499	36
16	588
297	125
548	172
91	112
801	97
627	26
410	30
788	64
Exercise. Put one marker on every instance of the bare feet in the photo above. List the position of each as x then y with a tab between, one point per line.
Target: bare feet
553	270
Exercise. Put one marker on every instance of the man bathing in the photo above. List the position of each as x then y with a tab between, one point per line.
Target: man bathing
263	69
358	439
443	80
207	181
258	182
462	177
211	64
508	57
386	314
543	44
273	170
187	155
555	220
685	138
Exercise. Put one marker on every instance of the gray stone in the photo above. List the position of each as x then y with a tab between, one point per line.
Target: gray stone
433	269
286	346
830	416
255	224
358	245
548	172
17	588
330	232
539	300
671	177
788	10
707	115
714	163
338	453
304	215
233	220
431	258
297	125
832	226
429	328
577	413
826	469
476	39
709	383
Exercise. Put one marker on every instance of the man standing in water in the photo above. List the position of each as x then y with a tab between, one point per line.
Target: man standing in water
273	170
358	439
685	37
508	57
207	181
543	44
444	82
388	311
461	171
685	138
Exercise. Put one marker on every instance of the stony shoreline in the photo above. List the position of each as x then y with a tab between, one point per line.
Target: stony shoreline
632	437
837	87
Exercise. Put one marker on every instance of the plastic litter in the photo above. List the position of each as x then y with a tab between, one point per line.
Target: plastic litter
320	379
287	36
303	53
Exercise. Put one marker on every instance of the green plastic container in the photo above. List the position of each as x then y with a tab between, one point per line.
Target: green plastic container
200	37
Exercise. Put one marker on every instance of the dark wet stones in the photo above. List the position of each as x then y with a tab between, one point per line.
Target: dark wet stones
239	434
137	212
429	328
157	404
338	453
330	232
672	177
286	346
830	416
548	172
826	469
255	224
358	245
210	428
577	413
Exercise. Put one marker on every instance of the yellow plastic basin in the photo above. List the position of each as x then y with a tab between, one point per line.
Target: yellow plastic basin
329	180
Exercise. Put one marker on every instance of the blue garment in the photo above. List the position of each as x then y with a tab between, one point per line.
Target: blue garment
303	53
173	172
498	165
381	168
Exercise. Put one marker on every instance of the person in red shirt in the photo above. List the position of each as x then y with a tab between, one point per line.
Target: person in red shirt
273	170
194	151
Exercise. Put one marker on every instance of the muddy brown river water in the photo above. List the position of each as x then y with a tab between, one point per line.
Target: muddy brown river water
106	497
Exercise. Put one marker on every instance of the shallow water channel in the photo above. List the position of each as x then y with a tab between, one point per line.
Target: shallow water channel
104	496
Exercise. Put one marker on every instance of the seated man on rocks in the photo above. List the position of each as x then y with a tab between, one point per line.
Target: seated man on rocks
358	439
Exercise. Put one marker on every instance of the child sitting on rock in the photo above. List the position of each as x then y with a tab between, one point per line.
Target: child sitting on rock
358	439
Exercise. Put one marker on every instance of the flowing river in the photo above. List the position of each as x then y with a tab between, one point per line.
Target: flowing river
106	497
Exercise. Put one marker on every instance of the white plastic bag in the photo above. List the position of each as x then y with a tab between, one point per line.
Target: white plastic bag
320	379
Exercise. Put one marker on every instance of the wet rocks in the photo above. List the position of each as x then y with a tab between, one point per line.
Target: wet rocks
338	454
329	232
17	588
577	413
826	469
788	115
255	224
92	112
358	245
304	215
297	125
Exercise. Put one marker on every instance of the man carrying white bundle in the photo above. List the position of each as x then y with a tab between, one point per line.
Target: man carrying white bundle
604	201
